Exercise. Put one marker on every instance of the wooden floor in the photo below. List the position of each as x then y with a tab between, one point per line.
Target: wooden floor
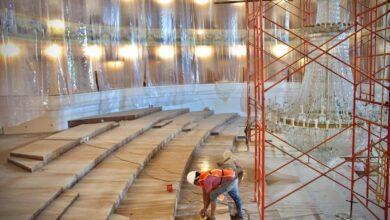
102	189
24	198
148	198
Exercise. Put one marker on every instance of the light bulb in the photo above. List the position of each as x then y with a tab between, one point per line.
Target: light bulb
164	2
128	52
53	51
203	51
93	51
202	2
166	52
238	50
56	26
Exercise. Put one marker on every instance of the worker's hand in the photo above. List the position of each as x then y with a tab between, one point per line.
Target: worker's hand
219	164
202	213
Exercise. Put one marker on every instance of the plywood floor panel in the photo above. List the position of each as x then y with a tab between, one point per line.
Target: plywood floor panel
51	147
147	198
24	198
117	116
82	131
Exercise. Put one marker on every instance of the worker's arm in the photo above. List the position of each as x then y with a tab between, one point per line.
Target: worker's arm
206	202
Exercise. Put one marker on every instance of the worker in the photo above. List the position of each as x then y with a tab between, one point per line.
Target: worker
214	183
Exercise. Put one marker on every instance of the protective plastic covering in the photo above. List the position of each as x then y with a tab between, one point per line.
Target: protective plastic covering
65	47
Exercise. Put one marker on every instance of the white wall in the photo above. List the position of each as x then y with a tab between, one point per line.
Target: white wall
221	97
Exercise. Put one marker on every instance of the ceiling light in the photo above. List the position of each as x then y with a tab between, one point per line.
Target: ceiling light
53	51
200	32
93	51
238	50
202	2
9	50
56	26
164	2
280	50
166	52
203	51
129	52
115	64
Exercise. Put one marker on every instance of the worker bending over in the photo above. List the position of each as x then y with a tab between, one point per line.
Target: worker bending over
214	183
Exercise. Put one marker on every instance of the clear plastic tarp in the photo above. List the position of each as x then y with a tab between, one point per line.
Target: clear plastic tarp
65	47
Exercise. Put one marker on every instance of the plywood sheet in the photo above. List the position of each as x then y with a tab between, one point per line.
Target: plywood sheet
82	131
26	197
156	202
43	149
101	190
30	165
51	147
117	116
162	124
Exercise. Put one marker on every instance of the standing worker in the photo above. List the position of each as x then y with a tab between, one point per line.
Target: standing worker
214	183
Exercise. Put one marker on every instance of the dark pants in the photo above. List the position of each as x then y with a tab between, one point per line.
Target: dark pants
231	187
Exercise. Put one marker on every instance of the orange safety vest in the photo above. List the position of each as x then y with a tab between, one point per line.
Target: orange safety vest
223	173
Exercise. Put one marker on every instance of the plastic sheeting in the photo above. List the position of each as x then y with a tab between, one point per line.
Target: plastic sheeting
64	47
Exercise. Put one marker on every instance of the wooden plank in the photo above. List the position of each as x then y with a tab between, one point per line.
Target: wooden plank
84	131
51	147
30	165
156	202
102	189
190	127
59	206
43	149
117	116
162	124
26	197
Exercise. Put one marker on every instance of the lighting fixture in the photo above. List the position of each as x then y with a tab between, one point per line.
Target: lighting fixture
93	51
238	50
53	51
166	52
203	51
128	52
56	26
164	2
202	2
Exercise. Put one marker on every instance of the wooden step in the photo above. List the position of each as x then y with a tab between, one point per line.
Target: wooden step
30	165
26	197
59	206
148	198
190	127
117	116
162	124
103	188
51	147
83	132
43	149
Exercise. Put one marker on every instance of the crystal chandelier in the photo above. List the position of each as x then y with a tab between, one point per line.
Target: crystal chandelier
323	105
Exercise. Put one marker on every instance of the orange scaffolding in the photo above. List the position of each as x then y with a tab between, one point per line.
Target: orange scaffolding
369	40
